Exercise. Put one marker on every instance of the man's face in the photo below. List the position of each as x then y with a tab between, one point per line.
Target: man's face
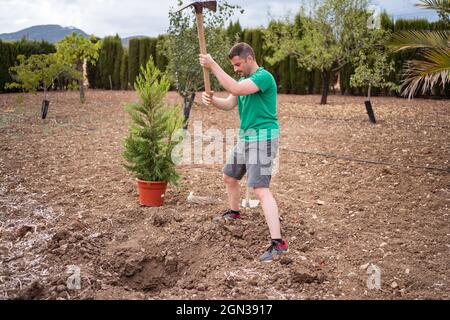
242	66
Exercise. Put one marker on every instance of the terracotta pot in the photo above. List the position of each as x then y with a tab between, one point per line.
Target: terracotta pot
151	193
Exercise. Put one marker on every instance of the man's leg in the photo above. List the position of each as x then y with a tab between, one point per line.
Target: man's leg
233	192
270	209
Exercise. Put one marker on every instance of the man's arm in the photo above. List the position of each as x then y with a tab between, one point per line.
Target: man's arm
242	88
220	103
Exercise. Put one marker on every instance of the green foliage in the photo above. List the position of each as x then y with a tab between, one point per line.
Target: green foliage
109	63
254	37
93	70
283	83
441	6
281	44
74	50
7	59
431	70
149	145
10	50
415	24
124	72
161	59
140	50
386	22
331	37
234	31
38	70
133	59
147	49
182	46
28	48
373	66
118	54
372	71
344	79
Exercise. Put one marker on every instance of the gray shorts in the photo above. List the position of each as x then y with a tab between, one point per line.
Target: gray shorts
256	158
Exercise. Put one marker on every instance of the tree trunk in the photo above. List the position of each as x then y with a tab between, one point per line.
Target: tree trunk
81	81
45	91
45	103
82	98
325	86
369	92
188	102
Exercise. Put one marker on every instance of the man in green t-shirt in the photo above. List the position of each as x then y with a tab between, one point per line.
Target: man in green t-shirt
255	94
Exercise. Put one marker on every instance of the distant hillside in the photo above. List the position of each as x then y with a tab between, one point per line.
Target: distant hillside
51	33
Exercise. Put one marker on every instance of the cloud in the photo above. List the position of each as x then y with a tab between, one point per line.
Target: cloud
137	17
405	9
100	17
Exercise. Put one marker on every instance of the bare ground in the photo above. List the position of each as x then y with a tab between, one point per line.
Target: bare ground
350	194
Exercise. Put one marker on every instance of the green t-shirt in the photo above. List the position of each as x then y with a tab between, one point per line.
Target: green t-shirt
258	111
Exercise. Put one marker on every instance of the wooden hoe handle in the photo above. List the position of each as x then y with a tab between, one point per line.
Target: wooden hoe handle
201	39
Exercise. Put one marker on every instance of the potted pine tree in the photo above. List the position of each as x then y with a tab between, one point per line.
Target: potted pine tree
151	138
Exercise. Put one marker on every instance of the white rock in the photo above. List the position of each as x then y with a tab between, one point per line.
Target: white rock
364	266
200	200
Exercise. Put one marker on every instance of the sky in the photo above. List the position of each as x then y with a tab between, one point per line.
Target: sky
150	17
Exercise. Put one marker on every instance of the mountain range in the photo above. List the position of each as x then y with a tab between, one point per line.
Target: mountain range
51	33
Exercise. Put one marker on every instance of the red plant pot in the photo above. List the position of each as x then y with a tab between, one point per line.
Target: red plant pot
151	193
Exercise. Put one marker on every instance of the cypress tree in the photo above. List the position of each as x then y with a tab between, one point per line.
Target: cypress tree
133	60
144	50
105	63
234	32
296	76
7	60
161	59
28	48
257	45
118	55
248	35
154	48
109	63
284	76
317	82
386	22
124	72
93	72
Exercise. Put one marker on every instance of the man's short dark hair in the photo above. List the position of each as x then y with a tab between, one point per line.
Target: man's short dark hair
242	50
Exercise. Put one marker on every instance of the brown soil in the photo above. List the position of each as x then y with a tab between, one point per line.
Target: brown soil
66	199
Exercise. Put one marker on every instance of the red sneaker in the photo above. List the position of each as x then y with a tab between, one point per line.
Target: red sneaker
275	249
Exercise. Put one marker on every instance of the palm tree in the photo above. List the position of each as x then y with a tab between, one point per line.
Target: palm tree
432	46
441	6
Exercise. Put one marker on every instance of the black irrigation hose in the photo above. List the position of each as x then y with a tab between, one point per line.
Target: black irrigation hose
357	119
329	155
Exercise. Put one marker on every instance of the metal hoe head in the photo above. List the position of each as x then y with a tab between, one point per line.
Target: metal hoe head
199	5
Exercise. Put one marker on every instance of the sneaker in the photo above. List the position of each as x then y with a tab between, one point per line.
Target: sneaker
227	215
275	249
231	215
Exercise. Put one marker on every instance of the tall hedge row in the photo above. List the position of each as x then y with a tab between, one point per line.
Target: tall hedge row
118	67
10	50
